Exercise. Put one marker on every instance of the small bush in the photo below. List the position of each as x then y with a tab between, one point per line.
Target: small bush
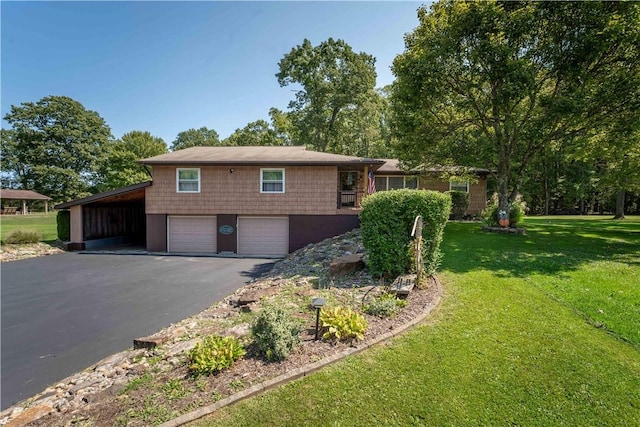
63	220
342	323
214	354
386	221
459	203
516	213
386	305
19	237
275	333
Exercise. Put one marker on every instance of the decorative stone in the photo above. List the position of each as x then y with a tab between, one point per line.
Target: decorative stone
256	295
238	330
345	265
30	415
403	284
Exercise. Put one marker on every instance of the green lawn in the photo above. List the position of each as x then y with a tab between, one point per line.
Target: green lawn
45	223
533	330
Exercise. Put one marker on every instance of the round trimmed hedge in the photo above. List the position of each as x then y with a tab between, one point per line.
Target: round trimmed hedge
386	221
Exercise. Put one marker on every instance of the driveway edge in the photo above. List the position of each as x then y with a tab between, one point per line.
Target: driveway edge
305	370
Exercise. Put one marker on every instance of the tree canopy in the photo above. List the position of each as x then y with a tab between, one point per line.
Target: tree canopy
494	84
54	147
121	167
337	86
195	138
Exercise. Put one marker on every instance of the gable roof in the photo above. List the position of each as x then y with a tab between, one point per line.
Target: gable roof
257	155
21	195
392	167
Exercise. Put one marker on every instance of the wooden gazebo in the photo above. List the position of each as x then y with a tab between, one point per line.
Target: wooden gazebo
24	195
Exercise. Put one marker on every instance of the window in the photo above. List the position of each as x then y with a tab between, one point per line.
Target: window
272	180
459	186
188	180
384	183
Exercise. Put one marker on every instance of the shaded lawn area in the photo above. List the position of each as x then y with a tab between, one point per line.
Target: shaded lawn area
44	223
535	330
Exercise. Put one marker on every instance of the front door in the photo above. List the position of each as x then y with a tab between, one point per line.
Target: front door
348	188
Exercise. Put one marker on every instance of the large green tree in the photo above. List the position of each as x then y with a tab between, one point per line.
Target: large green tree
202	137
121	167
258	132
334	82
493	84
56	147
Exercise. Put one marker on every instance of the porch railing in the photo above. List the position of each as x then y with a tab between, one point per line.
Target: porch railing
349	199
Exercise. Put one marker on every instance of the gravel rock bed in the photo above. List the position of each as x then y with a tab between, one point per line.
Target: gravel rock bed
131	387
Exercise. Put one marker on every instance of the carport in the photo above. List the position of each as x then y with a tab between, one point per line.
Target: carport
112	218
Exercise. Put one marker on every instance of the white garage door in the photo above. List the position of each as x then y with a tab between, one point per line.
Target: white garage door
192	234
263	235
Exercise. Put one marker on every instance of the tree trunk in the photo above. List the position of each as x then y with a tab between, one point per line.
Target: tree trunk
620	196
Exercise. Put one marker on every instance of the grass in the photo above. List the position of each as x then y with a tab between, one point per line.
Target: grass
533	330
43	223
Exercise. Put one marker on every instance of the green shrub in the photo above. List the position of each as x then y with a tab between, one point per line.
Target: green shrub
386	221
342	323
63	220
19	237
459	203
516	214
275	333
385	305
214	354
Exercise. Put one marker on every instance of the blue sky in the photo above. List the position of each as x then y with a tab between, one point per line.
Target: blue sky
165	67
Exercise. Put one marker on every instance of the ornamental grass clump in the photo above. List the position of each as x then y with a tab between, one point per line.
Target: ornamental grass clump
214	354
275	333
342	324
21	237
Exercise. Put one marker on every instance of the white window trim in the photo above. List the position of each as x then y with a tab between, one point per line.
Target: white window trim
178	179
270	170
459	183
404	181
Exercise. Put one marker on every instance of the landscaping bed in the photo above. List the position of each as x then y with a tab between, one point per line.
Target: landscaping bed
150	386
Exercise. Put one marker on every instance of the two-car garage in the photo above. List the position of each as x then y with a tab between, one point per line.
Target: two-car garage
252	235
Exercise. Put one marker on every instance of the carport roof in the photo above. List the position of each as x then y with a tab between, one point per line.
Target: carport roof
117	193
252	155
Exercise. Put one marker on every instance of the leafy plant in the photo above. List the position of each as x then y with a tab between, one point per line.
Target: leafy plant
516	212
275	333
342	323
385	305
386	220
19	237
214	354
63	220
459	203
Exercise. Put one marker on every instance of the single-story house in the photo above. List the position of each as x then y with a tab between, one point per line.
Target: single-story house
243	200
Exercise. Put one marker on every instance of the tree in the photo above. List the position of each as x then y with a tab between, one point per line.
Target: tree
335	80
493	83
57	146
121	167
255	133
202	137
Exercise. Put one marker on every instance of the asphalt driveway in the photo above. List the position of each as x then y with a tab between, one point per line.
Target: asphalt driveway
62	313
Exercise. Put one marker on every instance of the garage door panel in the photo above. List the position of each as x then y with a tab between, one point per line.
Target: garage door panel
192	234
263	235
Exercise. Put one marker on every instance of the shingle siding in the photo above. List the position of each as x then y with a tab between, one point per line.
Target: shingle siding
308	190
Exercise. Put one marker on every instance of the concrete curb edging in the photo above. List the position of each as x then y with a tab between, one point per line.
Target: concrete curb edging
305	370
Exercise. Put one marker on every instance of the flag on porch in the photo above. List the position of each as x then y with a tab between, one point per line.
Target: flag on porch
372	183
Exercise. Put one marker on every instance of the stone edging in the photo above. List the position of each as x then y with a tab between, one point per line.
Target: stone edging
303	371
